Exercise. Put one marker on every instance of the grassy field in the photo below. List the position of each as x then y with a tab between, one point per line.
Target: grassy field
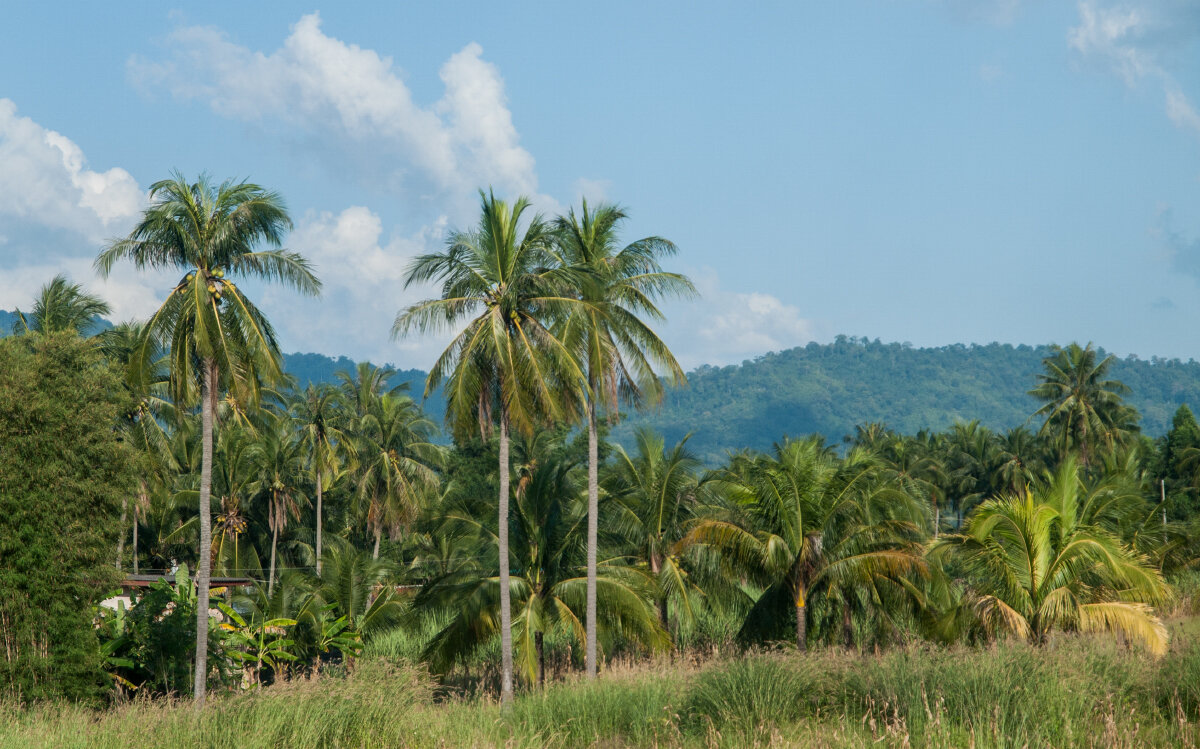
1074	692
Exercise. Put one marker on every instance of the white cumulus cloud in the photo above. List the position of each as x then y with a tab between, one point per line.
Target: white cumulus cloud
44	180
728	327
341	95
55	214
1141	42
363	277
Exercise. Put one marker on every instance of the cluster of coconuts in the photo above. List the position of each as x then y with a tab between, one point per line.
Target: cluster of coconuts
216	284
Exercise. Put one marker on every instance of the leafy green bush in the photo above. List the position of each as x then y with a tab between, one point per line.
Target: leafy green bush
63	474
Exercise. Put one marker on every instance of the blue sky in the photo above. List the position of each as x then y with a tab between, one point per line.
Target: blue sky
931	171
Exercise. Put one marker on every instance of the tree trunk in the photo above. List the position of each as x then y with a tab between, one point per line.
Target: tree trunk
592	533
378	536
121	538
801	623
318	522
274	544
655	569
135	539
208	408
538	642
937	518
506	659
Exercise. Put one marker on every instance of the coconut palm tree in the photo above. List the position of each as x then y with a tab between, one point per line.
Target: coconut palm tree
396	464
1018	460
357	587
316	412
361	389
806	526
235	481
1041	560
278	459
621	285
653	498
504	367
61	305
217	337
1081	406
971	452
548	552
915	469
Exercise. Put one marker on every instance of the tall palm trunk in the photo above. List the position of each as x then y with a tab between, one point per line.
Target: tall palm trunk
274	544
135	539
318	522
592	533
208	408
378	537
121	538
506	659
540	645
655	569
801	620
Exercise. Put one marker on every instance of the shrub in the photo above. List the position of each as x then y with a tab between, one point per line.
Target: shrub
63	473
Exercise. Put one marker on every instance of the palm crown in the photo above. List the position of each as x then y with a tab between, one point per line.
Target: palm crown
500	280
620	285
209	231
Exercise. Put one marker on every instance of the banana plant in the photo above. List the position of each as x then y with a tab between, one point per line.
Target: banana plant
262	642
111	626
335	634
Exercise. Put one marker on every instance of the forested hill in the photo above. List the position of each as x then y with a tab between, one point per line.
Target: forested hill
9	320
830	388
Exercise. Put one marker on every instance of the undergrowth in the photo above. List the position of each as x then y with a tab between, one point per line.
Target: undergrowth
1073	692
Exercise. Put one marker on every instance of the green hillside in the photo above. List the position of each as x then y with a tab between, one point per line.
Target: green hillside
830	388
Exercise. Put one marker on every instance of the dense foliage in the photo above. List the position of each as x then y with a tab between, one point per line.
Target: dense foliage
528	540
64	476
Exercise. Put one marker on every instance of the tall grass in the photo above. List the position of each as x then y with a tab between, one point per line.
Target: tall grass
1073	692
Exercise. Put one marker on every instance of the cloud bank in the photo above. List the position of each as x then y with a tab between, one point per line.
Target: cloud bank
55	213
353	99
45	181
1144	42
728	327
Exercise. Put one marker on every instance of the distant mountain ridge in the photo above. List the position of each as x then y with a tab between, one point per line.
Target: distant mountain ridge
830	388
